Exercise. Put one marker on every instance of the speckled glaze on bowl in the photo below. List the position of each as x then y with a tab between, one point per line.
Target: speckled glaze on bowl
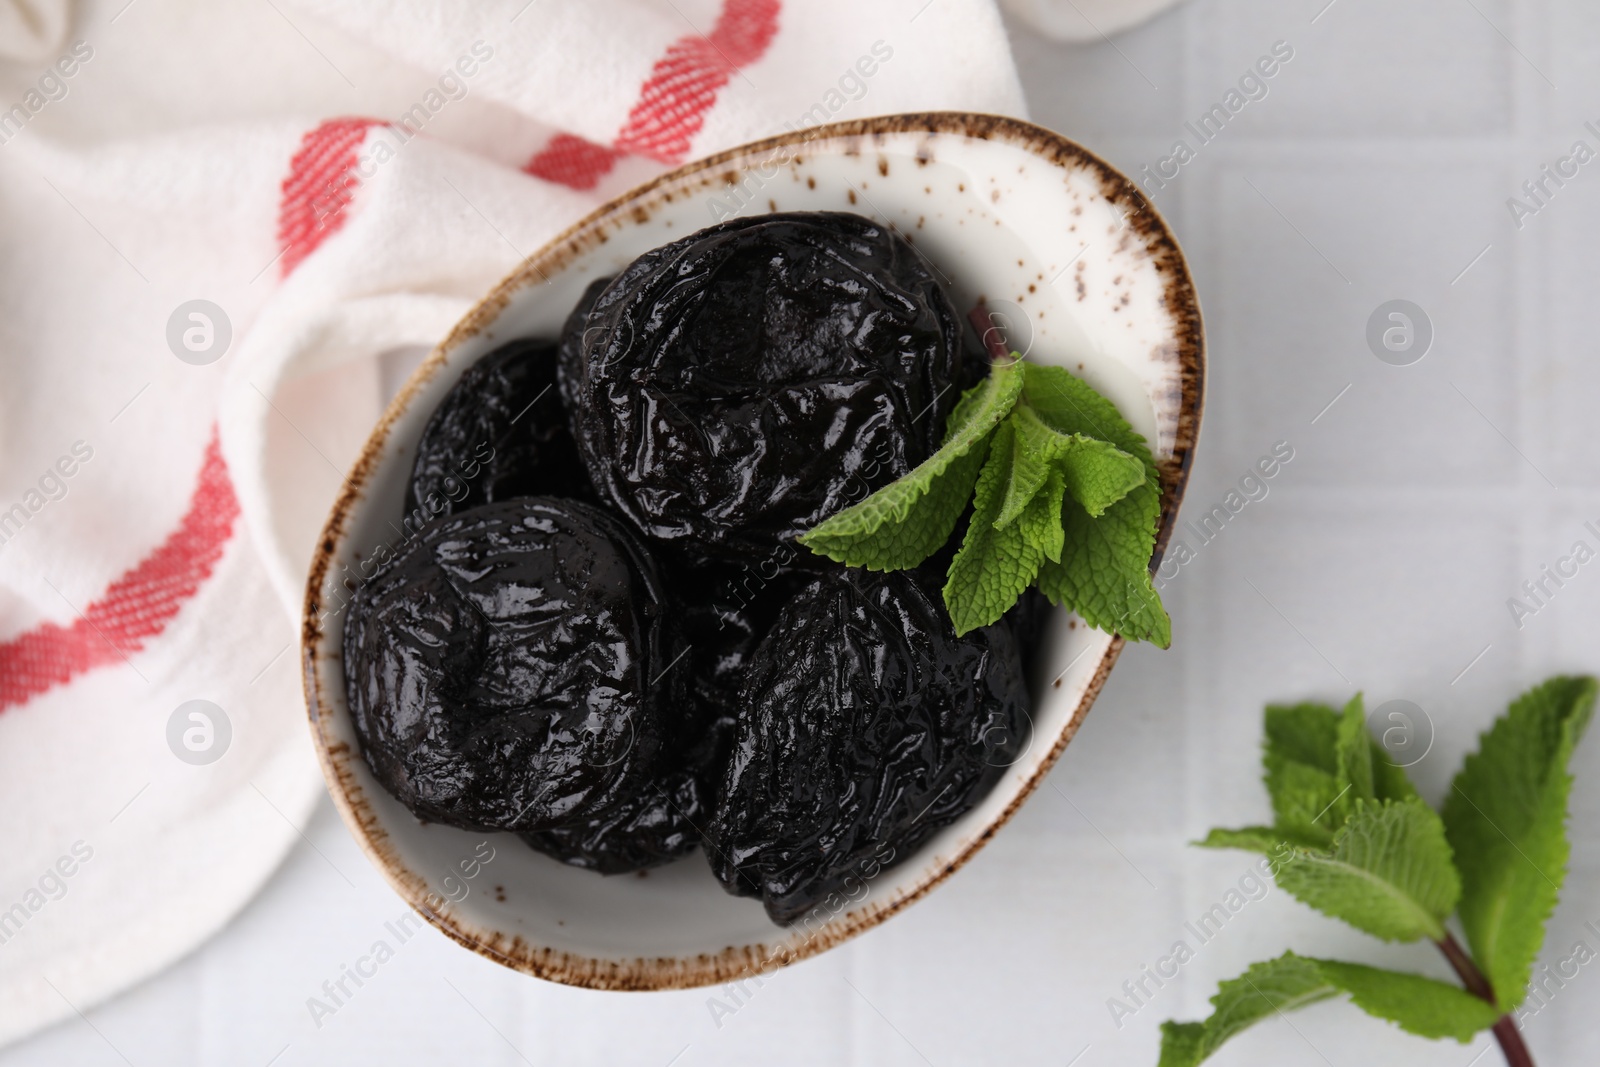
1089	277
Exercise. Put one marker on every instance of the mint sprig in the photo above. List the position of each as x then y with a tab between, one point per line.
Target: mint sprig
1065	496
1353	840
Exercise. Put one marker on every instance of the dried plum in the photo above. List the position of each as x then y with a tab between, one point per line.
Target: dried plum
649	828
1028	618
498	434
725	612
502	669
867	725
576	335
732	389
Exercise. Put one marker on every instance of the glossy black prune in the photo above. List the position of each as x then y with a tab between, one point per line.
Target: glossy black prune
501	670
498	434
577	335
726	609
867	725
1028	618
649	828
733	389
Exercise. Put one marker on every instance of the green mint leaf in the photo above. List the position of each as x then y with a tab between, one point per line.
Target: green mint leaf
1267	840
1309	756
1304	801
1040	522
1353	756
1097	473
1301	769
1104	572
905	522
985	405
1418	1005
1389	872
1037	453
1069	405
1389	779
1184	1044
1305	733
994	566
1262	992
1505	817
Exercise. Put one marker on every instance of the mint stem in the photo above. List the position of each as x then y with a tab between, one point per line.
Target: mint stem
1505	1028
993	338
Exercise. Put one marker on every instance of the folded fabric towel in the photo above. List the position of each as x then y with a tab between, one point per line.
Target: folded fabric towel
225	226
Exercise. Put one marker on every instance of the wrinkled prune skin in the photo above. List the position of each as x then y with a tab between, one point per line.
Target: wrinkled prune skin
646	830
576	336
725	612
735	388
498	434
720	642
867	726
499	669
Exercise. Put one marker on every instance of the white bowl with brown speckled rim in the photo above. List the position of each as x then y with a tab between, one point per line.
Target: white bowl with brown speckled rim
1004	211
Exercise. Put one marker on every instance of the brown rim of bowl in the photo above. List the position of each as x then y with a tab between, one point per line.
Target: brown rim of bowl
735	963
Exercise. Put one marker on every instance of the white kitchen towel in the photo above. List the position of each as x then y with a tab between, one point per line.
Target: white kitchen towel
219	223
32	30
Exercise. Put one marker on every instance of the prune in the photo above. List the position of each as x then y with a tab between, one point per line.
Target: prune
499	433
867	725
725	611
1028	618
502	669
576	335
733	389
649	828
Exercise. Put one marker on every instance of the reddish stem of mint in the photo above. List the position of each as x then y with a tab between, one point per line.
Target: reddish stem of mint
1505	1028
993	338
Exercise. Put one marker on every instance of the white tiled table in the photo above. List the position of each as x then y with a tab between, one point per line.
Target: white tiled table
1377	168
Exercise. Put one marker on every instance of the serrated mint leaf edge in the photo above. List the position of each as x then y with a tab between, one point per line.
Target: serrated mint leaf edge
1509	970
1418	918
930	520
1301	981
1031	464
1042	448
1041	521
978	562
1135	611
980	411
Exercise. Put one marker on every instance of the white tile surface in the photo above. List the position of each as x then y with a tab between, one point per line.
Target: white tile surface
1380	560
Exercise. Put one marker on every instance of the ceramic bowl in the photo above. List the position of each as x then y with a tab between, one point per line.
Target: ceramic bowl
1085	274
